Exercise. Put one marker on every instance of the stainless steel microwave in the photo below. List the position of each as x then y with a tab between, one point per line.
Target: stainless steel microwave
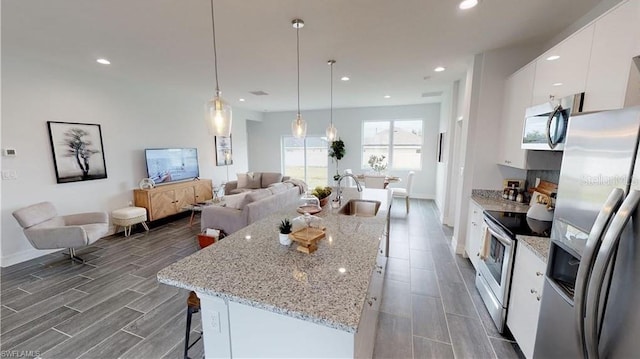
545	125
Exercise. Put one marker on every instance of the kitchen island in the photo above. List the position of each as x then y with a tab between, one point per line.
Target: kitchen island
262	299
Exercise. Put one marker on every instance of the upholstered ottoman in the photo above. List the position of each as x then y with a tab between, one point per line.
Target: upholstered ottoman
127	217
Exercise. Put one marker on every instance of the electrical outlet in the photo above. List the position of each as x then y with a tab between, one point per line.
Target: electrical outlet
9	175
130	203
215	322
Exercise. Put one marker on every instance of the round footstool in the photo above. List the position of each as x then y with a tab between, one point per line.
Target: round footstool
127	217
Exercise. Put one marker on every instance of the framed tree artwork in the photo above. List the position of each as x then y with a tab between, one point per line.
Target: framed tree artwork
78	153
223	151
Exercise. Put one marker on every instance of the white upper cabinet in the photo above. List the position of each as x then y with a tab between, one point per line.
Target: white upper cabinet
614	44
566	72
518	92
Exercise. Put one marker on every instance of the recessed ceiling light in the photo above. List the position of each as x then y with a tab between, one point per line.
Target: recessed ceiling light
439	69
387	96
467	4
345	78
103	61
557	84
342	270
553	57
241	100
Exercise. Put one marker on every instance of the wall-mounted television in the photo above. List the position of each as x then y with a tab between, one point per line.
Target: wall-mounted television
172	164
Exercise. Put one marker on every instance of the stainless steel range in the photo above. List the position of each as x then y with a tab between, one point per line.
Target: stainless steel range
493	278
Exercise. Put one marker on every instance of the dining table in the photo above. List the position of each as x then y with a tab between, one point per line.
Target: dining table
387	179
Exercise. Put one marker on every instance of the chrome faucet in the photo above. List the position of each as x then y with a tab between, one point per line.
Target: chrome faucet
338	197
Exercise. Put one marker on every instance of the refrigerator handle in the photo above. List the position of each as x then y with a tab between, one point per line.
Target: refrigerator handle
588	256
603	259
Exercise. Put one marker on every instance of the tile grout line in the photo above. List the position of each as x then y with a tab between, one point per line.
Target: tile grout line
134	334
61	332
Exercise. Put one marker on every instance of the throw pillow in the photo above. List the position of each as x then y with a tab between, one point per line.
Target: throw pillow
237	201
242	180
269	178
253	179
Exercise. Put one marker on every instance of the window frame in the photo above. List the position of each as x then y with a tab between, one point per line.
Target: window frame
391	146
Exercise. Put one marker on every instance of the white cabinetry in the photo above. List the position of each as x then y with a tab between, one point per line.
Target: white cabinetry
524	302
613	47
518	96
567	74
475	231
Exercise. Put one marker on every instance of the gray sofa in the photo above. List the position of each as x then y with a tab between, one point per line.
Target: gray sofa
241	209
253	180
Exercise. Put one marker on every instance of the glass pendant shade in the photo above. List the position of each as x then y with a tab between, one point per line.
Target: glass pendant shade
299	127
218	116
332	133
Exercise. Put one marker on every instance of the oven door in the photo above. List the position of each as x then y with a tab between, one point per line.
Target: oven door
497	261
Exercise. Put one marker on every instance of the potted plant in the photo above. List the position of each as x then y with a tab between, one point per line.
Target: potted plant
336	151
285	229
322	193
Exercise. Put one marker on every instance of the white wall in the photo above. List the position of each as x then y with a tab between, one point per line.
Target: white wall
265	138
132	116
481	122
441	167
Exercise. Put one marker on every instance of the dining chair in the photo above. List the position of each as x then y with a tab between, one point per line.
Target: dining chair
349	180
406	191
374	181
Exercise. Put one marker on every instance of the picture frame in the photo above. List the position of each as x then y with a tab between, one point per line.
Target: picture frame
78	151
224	151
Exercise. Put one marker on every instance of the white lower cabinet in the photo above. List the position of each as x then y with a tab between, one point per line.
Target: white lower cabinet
524	302
475	231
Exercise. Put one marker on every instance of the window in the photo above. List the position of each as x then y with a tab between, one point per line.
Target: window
400	141
306	159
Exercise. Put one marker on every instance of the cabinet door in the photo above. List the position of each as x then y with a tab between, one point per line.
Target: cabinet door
203	192
184	196
567	74
474	233
162	204
518	95
524	301
611	53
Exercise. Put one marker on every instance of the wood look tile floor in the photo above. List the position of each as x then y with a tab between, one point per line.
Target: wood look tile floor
113	307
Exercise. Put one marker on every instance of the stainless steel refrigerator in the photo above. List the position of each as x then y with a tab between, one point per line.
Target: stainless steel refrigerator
591	298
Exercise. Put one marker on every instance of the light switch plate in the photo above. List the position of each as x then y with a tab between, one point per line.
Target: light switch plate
9	174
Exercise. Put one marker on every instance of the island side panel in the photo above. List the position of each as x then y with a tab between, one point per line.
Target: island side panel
257	333
215	326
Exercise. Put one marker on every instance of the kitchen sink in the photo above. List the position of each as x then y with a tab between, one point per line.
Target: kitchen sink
360	208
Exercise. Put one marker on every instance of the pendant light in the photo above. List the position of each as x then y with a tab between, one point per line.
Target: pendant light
218	111
299	125
332	131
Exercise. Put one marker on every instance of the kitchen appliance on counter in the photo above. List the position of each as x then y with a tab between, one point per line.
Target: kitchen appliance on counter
545	125
591	297
493	278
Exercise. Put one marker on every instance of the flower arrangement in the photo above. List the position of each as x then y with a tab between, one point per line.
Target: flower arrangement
336	151
377	163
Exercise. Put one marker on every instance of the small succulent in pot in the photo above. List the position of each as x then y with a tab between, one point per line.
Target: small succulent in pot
285	226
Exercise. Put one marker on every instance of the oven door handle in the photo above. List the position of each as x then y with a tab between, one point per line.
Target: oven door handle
500	237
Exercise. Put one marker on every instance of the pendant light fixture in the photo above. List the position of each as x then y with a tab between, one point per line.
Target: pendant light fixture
332	131
299	125
218	111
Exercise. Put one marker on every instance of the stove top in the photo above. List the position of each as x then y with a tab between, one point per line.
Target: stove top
518	224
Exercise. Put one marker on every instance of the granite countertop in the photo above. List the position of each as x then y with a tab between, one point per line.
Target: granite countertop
489	201
499	204
327	287
538	245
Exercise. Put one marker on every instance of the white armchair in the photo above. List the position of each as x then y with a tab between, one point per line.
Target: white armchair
46	230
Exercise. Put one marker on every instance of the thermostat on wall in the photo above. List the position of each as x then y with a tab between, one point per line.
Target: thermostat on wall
9	152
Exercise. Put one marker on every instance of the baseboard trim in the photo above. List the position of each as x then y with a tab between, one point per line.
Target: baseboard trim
24	256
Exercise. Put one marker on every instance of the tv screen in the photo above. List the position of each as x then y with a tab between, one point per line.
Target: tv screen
172	164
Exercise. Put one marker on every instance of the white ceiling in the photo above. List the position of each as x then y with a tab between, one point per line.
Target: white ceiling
387	47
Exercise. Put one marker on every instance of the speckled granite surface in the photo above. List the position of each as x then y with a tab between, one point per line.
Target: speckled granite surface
499	204
538	245
251	267
488	193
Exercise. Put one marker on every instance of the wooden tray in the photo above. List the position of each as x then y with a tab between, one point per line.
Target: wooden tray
307	238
